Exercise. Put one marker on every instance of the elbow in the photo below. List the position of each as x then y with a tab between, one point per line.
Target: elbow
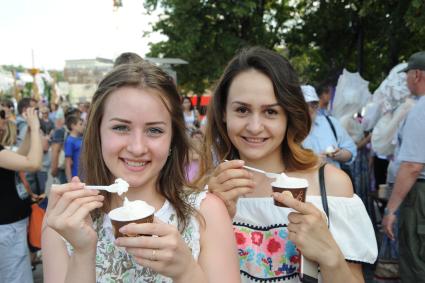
417	169
414	168
34	166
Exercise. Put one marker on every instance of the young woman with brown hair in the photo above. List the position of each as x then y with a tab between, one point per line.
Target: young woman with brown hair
258	117
136	131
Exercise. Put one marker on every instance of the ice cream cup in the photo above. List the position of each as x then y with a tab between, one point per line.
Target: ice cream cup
296	186
139	212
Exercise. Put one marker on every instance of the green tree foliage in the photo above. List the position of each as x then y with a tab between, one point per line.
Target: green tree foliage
320	37
367	36
208	33
14	68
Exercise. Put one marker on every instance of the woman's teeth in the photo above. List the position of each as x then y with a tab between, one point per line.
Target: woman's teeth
135	164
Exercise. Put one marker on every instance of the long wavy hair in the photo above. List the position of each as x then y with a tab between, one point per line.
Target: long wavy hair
289	96
171	181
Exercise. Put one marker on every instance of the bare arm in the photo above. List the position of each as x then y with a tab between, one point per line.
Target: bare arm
68	214
68	168
31	160
45	142
339	184
56	148
58	266
406	178
25	145
219	256
341	271
55	255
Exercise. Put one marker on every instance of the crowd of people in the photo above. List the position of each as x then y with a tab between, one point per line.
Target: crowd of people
35	144
215	220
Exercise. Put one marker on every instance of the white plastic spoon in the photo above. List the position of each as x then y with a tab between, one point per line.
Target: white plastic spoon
120	186
268	174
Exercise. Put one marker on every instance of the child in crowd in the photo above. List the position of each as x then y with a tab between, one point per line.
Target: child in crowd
72	146
258	117
136	131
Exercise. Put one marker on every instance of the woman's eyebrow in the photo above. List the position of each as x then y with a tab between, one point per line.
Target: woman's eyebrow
120	120
129	122
263	106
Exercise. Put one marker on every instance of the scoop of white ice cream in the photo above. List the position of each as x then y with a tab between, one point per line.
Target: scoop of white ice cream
120	186
283	181
131	210
330	149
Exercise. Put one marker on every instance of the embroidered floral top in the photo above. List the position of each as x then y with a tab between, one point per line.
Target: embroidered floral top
114	264
266	254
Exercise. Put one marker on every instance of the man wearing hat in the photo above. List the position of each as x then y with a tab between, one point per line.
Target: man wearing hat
409	188
327	137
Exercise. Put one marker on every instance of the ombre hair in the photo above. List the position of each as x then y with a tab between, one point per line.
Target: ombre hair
289	96
171	181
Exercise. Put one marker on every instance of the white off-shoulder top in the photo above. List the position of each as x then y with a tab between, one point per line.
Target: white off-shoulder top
266	254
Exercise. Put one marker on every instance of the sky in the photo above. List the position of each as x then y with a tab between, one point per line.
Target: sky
58	30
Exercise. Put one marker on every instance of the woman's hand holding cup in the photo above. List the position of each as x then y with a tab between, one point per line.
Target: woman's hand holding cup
308	230
164	252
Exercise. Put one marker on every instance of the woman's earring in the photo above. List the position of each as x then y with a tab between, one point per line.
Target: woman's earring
169	151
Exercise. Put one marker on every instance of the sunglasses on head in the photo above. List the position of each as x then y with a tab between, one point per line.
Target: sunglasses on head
2	114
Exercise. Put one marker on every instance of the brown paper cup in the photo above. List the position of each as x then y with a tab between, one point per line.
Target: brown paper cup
118	224
297	193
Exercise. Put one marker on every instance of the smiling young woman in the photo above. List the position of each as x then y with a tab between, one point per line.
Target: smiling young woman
258	117
136	131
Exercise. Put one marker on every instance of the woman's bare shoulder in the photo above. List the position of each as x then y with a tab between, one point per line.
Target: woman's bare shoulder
337	182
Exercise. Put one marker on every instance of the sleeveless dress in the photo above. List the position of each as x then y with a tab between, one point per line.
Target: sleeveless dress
266	254
113	264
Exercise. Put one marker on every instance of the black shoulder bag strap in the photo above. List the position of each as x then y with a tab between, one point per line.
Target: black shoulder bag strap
332	127
323	191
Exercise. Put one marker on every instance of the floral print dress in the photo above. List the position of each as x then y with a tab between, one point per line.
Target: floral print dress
114	264
266	254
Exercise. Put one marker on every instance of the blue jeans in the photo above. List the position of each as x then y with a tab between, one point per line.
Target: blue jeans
15	263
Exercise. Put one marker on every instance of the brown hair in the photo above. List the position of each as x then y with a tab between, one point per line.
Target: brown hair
128	58
72	120
171	182
289	96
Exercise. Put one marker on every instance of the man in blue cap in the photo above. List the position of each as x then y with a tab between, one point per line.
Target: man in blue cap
409	188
